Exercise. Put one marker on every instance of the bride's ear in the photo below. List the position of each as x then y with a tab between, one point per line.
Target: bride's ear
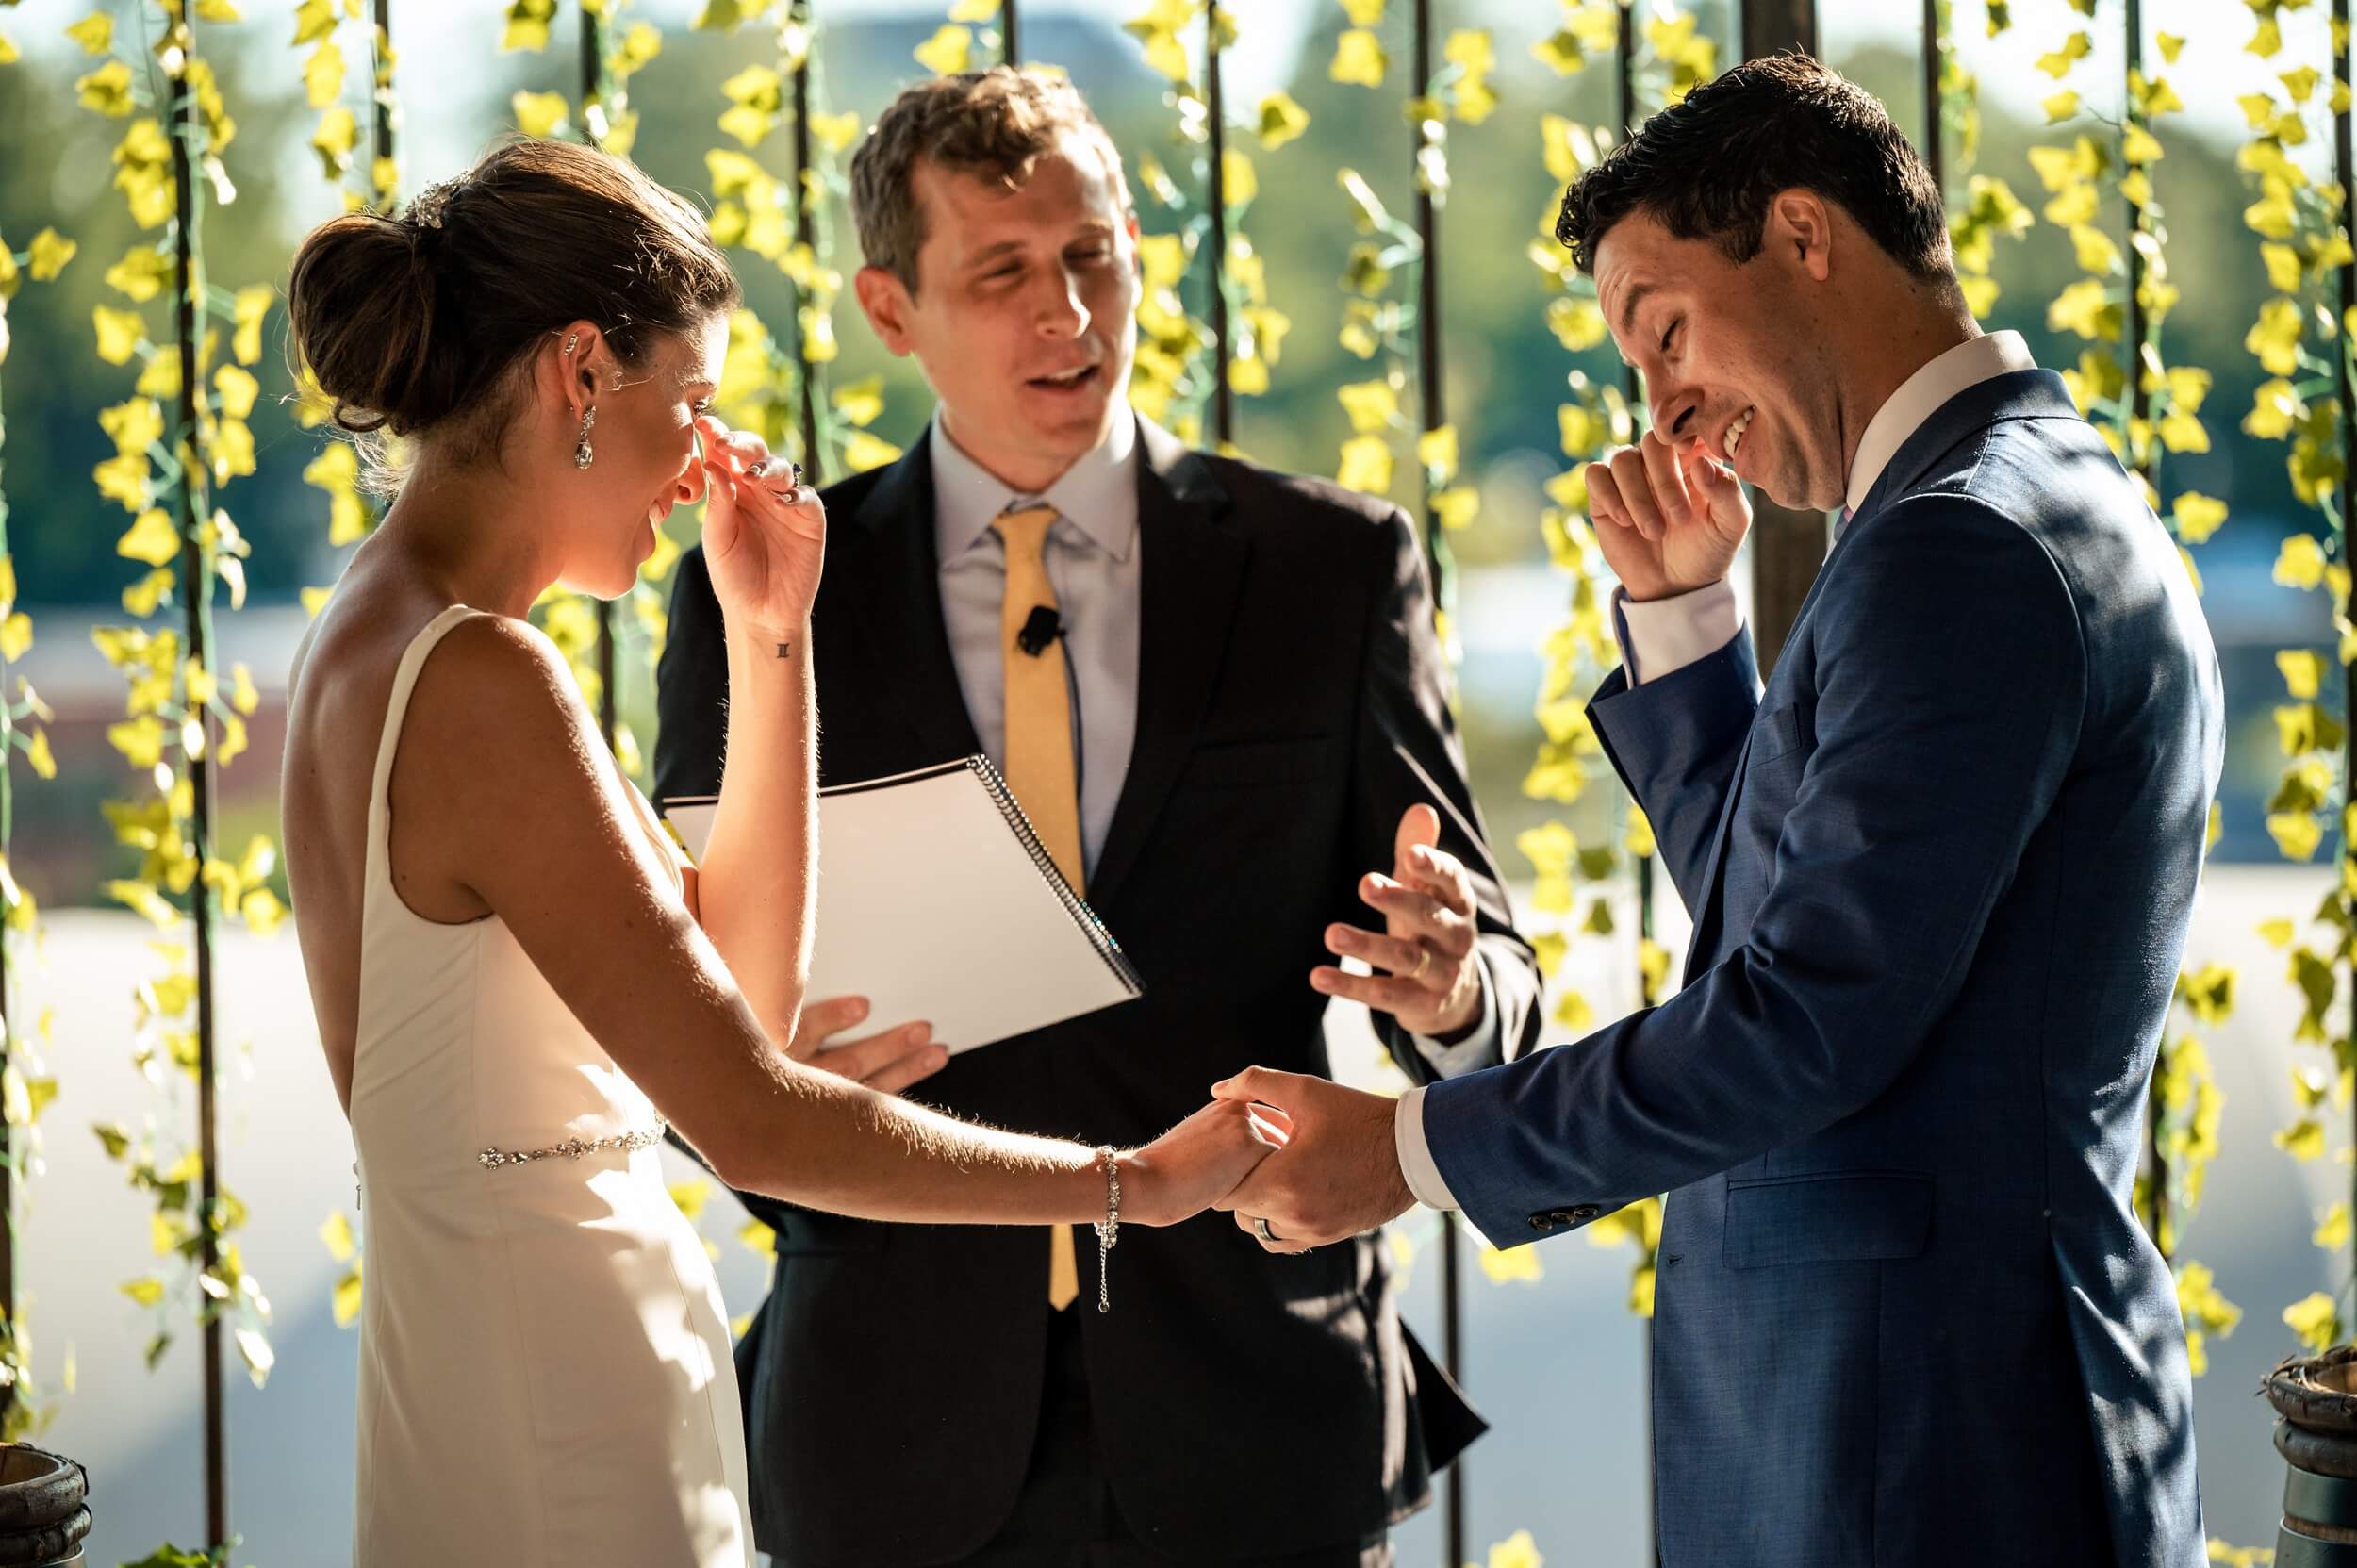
1800	230
577	366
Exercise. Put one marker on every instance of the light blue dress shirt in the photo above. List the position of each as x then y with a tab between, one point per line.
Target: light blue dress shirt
1094	558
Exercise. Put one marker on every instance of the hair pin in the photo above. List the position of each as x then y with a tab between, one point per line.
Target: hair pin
425	208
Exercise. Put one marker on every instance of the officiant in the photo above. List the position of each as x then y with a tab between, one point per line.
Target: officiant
1217	692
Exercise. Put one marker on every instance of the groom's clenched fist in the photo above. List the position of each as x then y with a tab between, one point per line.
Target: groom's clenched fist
1667	516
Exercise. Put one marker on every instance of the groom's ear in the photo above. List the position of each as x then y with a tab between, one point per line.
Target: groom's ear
1800	230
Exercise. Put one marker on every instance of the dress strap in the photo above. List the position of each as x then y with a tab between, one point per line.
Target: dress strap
396	709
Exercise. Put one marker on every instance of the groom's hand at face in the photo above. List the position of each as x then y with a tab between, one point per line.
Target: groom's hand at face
888	1062
1667	516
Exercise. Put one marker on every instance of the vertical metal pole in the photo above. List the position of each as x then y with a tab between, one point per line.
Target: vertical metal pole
592	98
1934	72
1010	35
1624	108
1431	390
1430	369
196	593
1788	545
380	53
2139	403
813	459
2345	171
1222	400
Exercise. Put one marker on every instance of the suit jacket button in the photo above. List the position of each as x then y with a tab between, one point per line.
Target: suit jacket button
1585	1212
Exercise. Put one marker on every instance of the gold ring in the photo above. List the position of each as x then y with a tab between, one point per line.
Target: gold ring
1423	962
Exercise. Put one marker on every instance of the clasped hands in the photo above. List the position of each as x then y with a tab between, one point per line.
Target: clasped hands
1337	1173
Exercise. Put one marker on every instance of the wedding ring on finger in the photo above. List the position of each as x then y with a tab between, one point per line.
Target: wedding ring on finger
1259	1226
1423	962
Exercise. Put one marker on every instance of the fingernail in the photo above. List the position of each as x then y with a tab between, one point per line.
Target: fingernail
918	1031
1321	980
859	1007
1221	1086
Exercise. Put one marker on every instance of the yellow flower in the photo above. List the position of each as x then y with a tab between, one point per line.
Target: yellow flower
251	306
949	51
1517	1550
152	539
1455	508
1372	405
1359	59
1521	1266
2301	562
1281	119
864	450
2275	336
51	251
539	114
2315	1320
1366	465
118	334
2198	516
106	90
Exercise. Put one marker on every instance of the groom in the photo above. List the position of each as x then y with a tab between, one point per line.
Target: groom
1237	741
1940	871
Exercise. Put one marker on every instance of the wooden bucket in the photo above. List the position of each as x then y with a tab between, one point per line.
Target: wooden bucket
2315	1401
44	1511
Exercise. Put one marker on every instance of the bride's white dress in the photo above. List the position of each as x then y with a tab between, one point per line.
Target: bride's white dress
545	1377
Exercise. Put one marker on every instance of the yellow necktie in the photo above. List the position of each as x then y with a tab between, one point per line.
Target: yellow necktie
1041	771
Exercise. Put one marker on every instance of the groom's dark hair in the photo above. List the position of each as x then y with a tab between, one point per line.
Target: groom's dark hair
1707	166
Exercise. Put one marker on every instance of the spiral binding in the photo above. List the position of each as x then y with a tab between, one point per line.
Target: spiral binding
1083	916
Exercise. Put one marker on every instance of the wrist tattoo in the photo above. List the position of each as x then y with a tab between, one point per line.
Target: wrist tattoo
785	650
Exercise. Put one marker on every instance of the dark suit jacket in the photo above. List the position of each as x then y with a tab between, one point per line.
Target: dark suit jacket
1943	871
1292	704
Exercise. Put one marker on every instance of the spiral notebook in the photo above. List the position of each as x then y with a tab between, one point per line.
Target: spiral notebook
937	900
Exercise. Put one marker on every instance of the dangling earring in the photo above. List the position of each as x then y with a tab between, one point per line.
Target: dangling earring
583	455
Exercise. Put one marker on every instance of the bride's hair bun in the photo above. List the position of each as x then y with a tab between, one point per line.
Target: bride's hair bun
413	324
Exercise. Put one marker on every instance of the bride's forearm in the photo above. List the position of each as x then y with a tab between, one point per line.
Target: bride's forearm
758	879
838	1147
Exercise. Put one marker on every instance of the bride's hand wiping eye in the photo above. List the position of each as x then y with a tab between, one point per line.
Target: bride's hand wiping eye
765	531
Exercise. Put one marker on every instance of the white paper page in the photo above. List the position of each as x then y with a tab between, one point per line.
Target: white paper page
930	906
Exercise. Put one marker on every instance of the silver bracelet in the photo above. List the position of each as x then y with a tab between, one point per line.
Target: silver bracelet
1108	1230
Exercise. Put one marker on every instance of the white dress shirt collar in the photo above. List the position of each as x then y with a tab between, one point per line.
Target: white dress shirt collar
1098	494
1922	395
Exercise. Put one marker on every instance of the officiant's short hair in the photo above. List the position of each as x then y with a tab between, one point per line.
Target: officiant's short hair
995	125
1709	165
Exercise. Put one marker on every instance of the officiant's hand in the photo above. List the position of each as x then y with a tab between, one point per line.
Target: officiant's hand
1426	975
888	1062
764	534
1669	517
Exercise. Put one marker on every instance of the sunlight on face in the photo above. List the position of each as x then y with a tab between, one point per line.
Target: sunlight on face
1727	357
647	455
1024	316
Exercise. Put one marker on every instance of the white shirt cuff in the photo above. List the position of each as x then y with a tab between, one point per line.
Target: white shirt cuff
1660	636
1415	1156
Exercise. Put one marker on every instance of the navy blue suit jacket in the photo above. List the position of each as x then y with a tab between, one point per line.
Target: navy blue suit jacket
1941	871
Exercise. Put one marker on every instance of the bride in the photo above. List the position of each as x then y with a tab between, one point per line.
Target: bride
518	980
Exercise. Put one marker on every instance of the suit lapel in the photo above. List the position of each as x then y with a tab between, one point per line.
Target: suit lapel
904	626
1191	573
2013	395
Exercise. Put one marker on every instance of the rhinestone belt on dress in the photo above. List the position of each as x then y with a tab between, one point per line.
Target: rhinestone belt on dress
573	1148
